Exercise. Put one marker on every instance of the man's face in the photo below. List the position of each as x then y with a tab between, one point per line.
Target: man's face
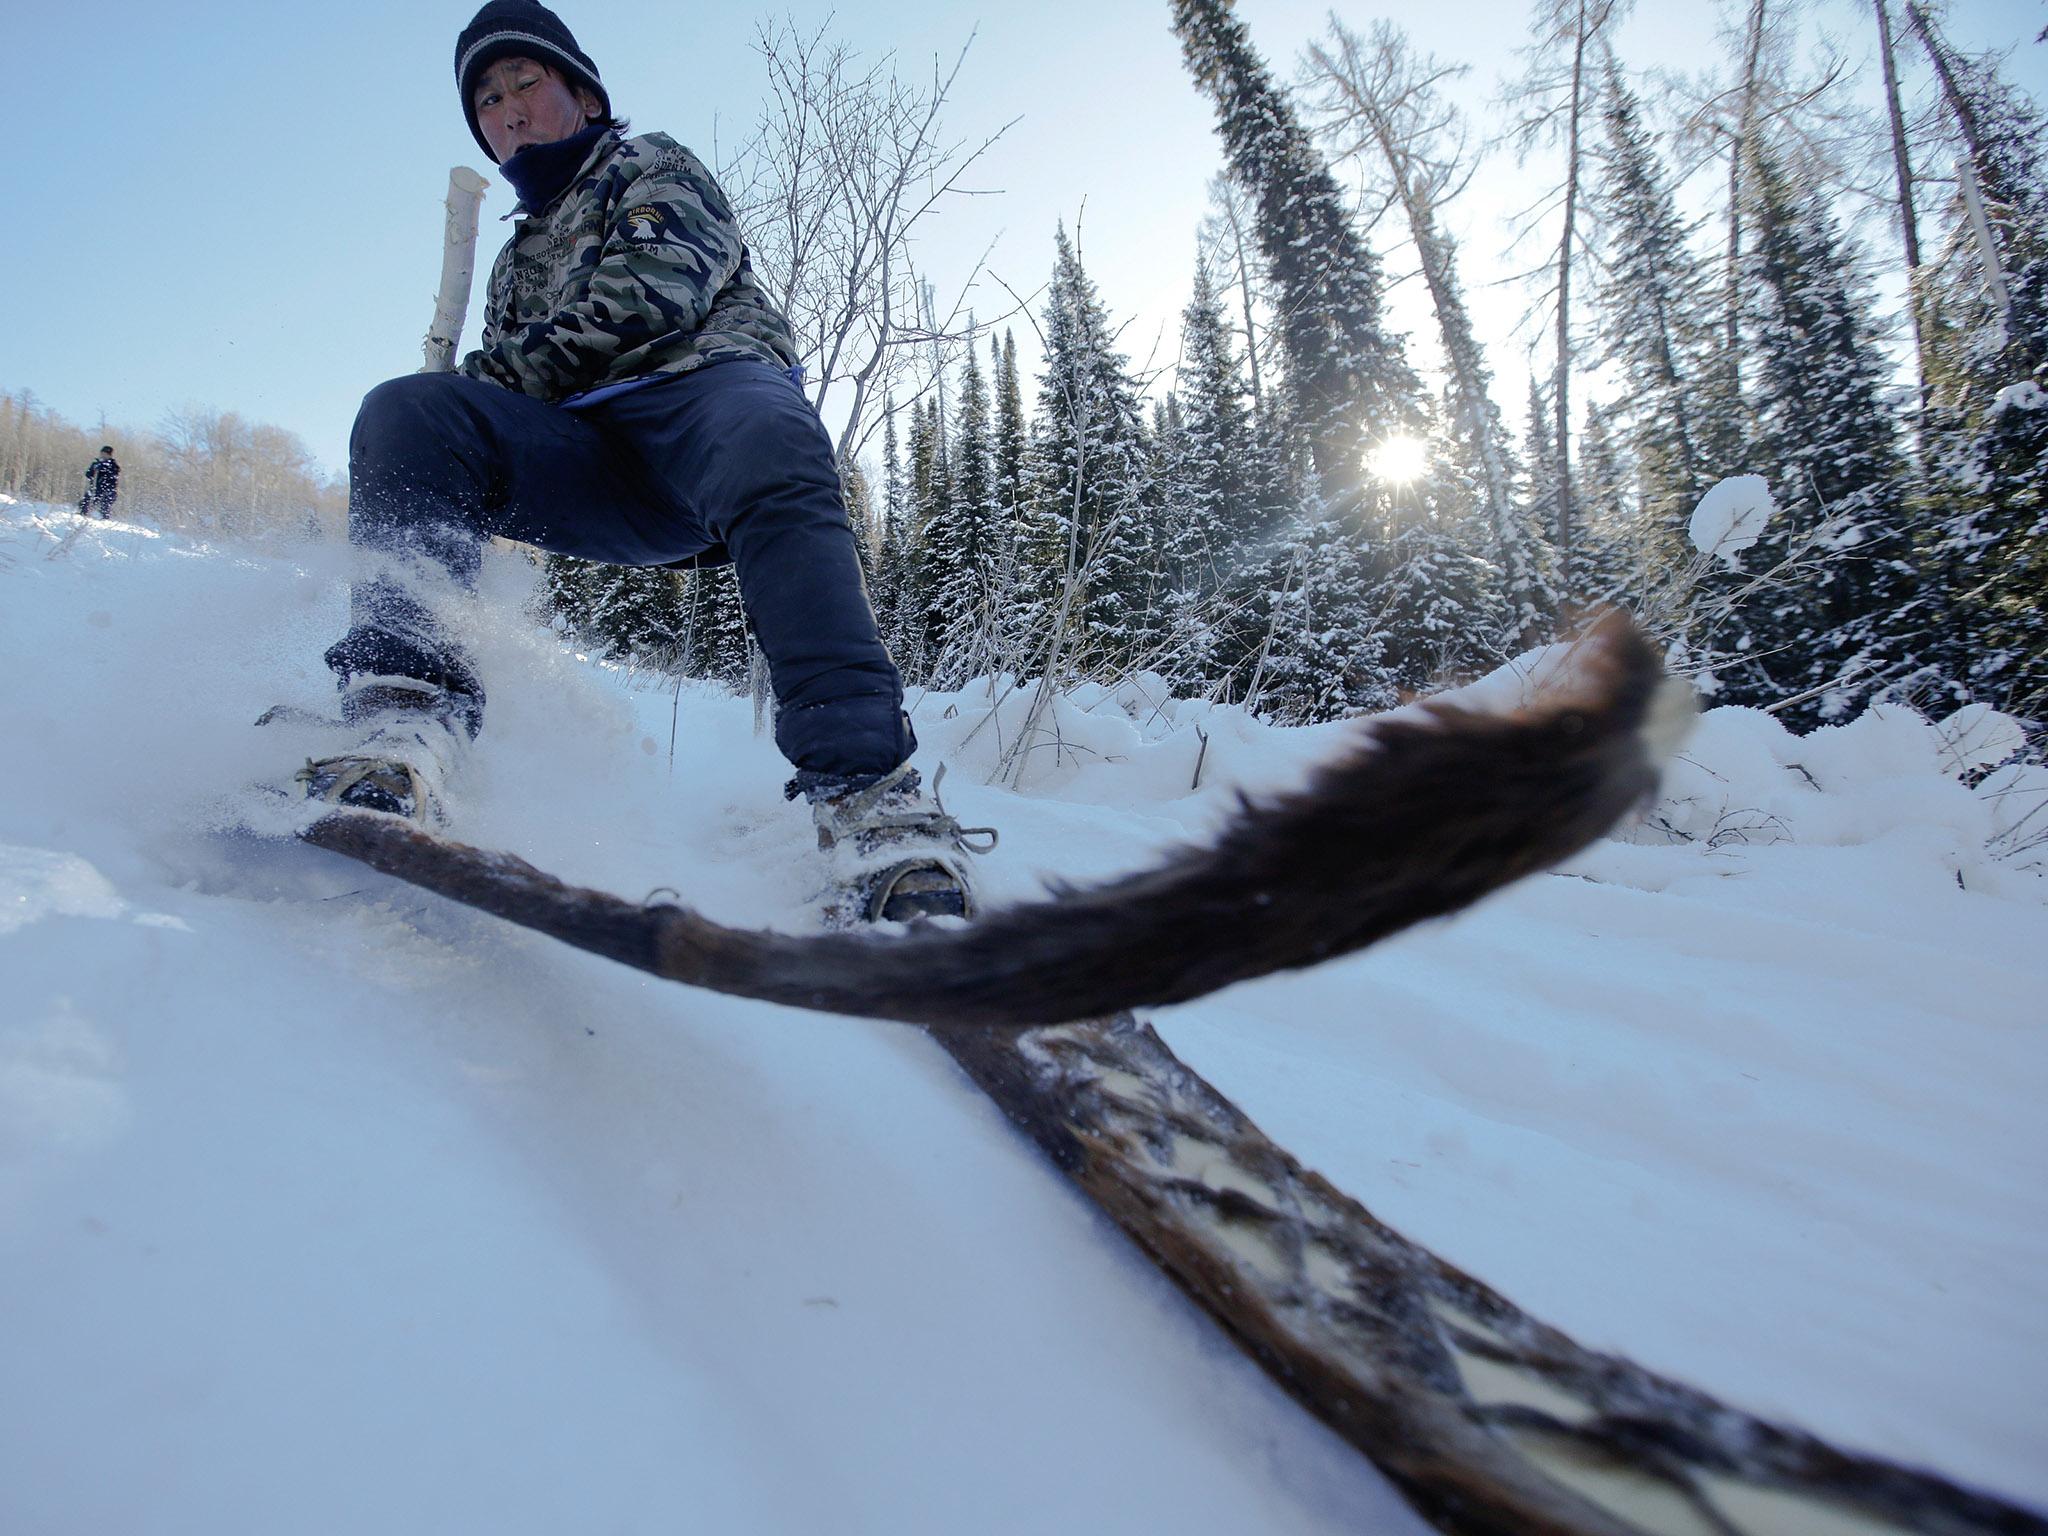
521	102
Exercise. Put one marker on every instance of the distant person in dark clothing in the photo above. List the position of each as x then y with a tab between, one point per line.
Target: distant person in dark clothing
102	480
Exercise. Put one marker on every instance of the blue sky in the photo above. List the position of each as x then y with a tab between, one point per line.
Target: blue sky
238	205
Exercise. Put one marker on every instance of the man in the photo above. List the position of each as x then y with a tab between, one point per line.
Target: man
102	484
633	401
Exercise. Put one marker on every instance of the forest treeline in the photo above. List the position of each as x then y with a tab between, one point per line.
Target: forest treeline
1301	521
202	471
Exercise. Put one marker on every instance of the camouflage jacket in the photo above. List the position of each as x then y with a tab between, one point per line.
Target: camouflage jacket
638	268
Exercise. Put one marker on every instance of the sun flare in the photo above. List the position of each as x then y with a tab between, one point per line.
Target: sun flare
1398	460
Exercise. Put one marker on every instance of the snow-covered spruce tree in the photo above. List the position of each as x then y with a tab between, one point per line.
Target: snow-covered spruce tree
620	611
1540	484
1158	601
1009	443
714	626
1988	387
1439	600
1219	502
861	517
1322	653
1657	323
1015	637
930	486
964	544
1167	427
931	470
885	588
1613	542
1167	500
1379	106
1084	556
1848	622
1184	564
568	583
1349	378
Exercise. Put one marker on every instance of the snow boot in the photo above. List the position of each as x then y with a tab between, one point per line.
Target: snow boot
413	734
895	854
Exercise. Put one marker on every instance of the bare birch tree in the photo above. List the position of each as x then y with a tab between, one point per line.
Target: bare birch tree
1968	164
1803	109
1233	254
1381	108
1552	100
1909	219
846	165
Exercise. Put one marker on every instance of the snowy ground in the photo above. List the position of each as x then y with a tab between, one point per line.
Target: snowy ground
325	1207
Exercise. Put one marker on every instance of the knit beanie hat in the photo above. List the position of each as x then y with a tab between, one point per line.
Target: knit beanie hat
509	29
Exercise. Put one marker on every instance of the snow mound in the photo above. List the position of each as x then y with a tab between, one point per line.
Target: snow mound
1521	682
2018	797
1742	783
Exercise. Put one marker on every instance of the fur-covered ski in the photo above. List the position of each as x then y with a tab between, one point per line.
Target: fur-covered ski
1494	1424
1418	817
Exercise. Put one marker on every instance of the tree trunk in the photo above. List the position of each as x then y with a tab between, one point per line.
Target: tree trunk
1244	294
1745	130
1454	323
1564	310
1968	164
1909	222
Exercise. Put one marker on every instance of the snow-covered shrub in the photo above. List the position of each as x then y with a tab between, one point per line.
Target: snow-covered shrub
1744	780
2018	798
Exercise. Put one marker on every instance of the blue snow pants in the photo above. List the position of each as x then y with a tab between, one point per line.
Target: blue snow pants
727	462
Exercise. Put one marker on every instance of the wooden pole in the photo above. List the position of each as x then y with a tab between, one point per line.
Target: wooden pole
458	266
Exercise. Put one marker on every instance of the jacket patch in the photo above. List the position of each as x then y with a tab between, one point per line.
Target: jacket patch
643	223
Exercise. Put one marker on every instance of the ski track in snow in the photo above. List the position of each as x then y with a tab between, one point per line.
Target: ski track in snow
325	1206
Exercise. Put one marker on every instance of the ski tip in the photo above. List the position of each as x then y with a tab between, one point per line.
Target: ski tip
1609	681
1629	680
1607	663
